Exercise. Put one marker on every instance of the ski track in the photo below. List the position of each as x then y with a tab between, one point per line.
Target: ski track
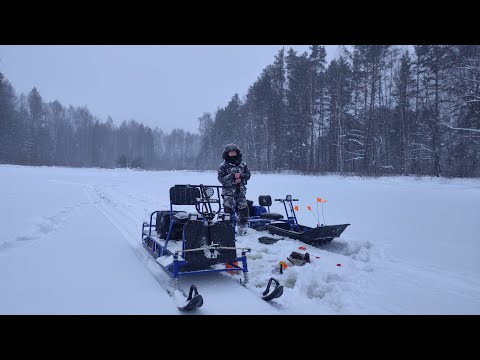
100	201
44	226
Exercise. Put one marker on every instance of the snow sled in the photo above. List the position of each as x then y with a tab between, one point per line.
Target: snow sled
186	243
290	228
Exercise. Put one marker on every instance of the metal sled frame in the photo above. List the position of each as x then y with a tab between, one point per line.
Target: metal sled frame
192	195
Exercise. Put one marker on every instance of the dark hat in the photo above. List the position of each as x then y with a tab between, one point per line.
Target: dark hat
231	147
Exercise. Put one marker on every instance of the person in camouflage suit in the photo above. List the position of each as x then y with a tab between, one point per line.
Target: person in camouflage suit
233	174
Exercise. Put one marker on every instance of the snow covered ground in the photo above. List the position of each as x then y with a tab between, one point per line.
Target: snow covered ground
70	244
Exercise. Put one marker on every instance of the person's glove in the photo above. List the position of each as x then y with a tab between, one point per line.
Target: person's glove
237	178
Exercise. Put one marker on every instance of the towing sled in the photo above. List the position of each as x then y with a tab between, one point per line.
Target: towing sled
186	243
290	228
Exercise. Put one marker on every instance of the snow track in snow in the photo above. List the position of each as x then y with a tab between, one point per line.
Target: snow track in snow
44	226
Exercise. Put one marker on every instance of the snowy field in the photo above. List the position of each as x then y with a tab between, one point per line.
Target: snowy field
70	244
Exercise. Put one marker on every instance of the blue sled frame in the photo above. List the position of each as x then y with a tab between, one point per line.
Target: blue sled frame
201	196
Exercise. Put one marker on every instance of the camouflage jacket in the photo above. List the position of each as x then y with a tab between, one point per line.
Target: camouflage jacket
226	176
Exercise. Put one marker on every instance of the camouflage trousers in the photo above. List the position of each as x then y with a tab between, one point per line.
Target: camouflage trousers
241	207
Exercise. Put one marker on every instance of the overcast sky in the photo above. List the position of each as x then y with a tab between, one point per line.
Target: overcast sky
166	85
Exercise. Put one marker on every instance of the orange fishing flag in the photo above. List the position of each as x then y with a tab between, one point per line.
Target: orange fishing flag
296	208
309	208
319	200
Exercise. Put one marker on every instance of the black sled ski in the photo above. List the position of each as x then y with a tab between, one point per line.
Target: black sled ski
194	300
276	292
